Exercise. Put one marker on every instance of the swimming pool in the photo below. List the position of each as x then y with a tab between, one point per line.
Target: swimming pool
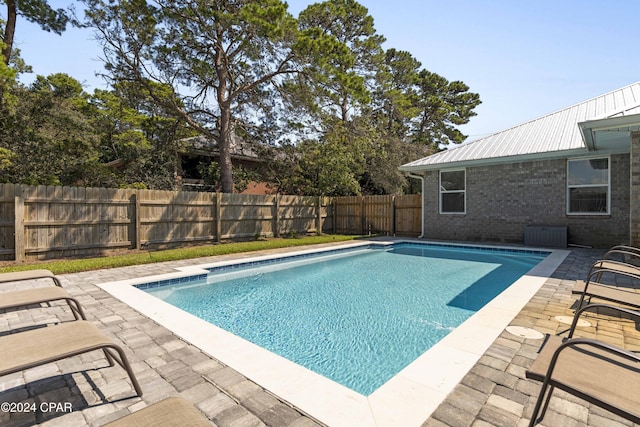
407	399
356	317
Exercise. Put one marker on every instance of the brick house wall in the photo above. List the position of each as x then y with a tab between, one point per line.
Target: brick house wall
634	215
501	200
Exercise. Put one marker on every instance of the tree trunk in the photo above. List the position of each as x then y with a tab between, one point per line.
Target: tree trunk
344	109
9	30
224	145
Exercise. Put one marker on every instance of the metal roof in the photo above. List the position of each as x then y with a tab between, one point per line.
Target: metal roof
546	136
240	149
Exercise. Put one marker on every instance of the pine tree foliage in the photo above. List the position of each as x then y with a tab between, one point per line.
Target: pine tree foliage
328	110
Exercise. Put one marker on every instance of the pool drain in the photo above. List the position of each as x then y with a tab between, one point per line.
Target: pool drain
567	320
523	332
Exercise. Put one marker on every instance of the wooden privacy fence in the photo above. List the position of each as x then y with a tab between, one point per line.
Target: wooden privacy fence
51	221
54	222
390	215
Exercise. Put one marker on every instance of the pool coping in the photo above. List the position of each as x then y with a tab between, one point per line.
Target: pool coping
407	399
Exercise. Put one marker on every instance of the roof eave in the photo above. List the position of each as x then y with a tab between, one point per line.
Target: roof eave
591	129
550	155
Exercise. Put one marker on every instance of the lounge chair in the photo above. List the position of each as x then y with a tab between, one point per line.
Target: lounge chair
619	258
27	297
29	275
171	412
600	373
16	299
623	251
25	350
590	288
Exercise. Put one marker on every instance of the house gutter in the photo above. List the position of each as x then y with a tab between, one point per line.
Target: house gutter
421	178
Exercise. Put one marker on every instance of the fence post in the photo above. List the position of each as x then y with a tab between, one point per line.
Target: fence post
334	216
393	215
137	220
19	228
363	216
218	217
276	217
319	215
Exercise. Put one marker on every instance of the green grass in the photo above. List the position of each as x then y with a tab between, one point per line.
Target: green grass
147	257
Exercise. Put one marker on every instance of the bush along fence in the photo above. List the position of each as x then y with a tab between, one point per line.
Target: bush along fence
47	222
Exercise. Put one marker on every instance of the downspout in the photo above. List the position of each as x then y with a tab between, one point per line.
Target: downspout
421	178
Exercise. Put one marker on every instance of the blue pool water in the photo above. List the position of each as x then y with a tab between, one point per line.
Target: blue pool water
355	317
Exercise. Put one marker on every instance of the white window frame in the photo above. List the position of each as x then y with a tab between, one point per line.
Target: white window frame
608	186
442	191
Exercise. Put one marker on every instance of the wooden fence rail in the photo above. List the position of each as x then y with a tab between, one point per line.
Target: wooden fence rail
54	222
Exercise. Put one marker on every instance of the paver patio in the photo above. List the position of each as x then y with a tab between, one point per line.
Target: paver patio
495	391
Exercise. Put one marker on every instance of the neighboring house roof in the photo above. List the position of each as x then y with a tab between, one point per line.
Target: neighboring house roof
201	144
569	130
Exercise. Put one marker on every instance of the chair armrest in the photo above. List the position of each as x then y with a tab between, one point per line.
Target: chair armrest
622	252
595	270
592	307
626	248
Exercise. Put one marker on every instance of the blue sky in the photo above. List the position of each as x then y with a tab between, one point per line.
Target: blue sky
526	58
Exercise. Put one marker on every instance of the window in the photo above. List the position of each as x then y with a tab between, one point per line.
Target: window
588	186
452	191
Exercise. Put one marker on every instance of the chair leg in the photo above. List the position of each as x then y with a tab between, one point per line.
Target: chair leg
124	362
110	357
543	396
76	308
599	276
546	402
581	302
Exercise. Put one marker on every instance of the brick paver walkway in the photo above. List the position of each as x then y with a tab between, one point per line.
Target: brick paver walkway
494	392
